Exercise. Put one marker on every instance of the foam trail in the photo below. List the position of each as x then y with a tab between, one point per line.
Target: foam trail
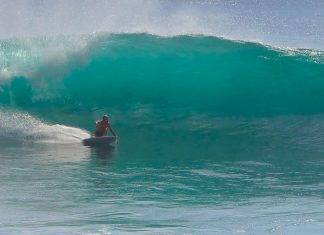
23	127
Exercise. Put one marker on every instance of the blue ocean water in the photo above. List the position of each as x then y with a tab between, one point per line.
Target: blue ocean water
217	136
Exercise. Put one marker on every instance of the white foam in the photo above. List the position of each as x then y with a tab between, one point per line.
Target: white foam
39	58
21	126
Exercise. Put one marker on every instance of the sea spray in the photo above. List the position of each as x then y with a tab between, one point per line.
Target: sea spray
20	127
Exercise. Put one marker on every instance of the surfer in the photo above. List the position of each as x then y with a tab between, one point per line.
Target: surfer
102	127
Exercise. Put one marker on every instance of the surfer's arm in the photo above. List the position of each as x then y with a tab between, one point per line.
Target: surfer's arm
112	131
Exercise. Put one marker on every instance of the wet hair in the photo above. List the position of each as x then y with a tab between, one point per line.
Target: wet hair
105	116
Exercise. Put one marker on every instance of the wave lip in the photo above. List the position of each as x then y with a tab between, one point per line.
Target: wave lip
192	72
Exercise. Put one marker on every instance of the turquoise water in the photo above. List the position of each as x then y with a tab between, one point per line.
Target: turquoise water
216	136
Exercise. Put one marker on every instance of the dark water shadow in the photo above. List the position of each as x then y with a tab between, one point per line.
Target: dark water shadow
103	154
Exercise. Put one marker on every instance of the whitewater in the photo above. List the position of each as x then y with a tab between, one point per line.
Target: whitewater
217	105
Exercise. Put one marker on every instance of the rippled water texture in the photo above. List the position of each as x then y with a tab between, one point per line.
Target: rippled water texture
72	189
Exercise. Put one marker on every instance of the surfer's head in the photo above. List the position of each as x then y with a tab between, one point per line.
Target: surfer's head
105	118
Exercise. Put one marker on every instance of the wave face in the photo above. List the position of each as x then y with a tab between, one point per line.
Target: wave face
179	83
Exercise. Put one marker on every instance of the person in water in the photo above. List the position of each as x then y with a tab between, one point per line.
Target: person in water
102	127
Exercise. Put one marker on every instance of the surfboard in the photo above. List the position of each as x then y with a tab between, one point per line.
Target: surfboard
103	140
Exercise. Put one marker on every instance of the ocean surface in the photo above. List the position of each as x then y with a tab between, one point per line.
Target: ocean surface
217	136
